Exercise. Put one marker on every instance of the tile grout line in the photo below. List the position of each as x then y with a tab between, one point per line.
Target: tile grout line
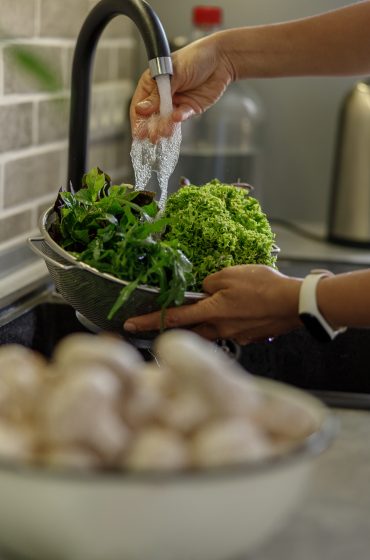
27	206
37	28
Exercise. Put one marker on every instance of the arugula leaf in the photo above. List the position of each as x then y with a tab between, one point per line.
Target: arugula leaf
116	230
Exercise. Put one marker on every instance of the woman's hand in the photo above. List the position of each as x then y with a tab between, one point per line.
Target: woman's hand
201	75
246	303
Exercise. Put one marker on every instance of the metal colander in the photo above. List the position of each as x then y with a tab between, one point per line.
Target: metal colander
90	292
93	293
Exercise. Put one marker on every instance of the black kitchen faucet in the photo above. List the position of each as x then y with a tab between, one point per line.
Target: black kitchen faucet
159	57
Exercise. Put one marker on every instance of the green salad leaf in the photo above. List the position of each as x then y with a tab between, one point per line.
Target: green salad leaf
113	229
120	231
218	225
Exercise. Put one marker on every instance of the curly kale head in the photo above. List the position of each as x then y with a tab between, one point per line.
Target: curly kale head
218	225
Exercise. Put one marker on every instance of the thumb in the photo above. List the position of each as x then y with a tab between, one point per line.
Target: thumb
148	105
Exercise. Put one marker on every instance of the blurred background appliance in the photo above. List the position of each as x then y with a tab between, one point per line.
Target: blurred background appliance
349	213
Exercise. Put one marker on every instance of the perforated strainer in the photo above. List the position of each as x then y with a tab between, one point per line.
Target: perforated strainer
90	292
93	293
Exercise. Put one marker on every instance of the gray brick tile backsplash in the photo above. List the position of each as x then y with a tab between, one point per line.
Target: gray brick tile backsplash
63	18
15	225
41	208
110	156
119	27
15	126
126	62
53	120
34	123
17	81
17	18
102	71
103	68
33	177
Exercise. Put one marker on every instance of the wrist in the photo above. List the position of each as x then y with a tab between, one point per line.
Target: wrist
228	49
290	298
324	297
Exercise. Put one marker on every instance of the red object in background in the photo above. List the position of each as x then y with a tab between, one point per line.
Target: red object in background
207	15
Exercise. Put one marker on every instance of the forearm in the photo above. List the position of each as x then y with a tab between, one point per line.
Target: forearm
344	299
333	43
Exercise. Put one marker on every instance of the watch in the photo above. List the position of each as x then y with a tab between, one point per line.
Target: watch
309	312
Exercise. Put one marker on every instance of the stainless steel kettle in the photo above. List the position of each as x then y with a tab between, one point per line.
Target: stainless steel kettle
349	217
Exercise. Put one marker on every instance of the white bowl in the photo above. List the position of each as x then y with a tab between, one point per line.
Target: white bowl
217	514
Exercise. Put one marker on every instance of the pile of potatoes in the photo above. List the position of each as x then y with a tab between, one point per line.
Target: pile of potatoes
97	404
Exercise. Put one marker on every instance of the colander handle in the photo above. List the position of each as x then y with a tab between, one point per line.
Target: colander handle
32	241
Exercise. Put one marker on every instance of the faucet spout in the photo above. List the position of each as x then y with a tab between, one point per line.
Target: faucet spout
159	57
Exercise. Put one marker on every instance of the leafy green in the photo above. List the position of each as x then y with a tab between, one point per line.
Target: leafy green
112	228
218	225
118	230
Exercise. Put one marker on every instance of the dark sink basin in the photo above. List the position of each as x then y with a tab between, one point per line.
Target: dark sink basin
298	359
41	323
341	365
41	319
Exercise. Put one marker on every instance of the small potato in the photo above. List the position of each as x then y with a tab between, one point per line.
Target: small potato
21	377
284	419
16	443
200	366
113	352
147	396
82	409
157	449
229	442
185	411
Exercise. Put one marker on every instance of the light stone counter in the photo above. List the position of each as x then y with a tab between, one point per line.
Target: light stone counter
333	522
293	245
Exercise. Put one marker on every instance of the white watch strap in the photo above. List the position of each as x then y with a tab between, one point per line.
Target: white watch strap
308	300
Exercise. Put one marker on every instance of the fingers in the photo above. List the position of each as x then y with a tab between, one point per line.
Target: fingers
144	103
216	281
182	113
174	317
148	123
207	331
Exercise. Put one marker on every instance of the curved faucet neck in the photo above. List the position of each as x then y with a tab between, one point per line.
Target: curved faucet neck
157	49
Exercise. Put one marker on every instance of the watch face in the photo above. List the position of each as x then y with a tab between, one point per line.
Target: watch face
314	327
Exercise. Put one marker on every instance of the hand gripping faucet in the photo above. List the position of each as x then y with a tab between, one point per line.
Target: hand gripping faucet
159	57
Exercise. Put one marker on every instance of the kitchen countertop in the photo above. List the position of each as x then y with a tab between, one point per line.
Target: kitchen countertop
333	522
294	244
